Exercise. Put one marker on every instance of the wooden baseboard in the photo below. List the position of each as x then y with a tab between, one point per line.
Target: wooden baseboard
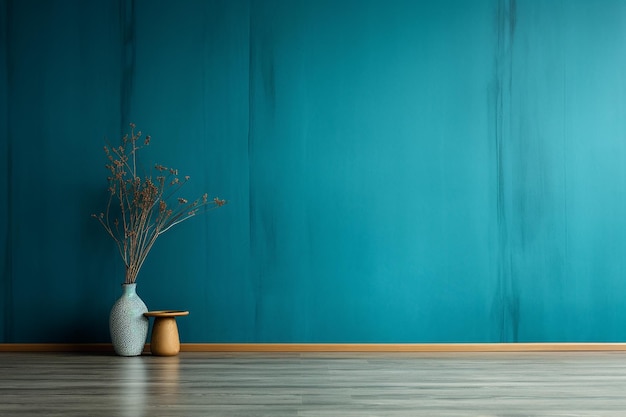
329	347
400	347
56	347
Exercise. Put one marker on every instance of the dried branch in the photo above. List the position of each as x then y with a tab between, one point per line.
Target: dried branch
147	208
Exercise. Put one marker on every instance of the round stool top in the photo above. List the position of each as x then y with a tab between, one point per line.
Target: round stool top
166	313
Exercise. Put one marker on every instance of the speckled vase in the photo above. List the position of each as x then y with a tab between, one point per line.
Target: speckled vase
128	325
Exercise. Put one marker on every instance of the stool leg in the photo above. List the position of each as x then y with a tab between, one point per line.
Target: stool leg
165	340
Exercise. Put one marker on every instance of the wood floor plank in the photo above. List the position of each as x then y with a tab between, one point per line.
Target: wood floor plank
492	384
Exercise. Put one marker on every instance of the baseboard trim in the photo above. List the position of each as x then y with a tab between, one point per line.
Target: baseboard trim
56	347
329	347
401	347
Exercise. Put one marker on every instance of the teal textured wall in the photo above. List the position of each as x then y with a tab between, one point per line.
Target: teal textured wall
5	298
397	171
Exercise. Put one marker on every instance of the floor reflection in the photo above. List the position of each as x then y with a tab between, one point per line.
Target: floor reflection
133	383
165	378
147	383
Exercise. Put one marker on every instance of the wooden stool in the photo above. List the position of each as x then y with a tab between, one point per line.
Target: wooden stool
164	340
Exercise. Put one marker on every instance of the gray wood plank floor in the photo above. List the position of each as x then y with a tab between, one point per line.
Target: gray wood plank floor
306	384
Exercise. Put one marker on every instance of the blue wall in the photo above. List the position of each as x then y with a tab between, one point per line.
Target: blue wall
397	171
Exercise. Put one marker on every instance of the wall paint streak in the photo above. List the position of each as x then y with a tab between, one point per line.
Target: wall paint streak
506	298
127	19
7	179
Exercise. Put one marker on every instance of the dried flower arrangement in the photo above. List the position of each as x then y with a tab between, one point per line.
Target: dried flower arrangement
147	207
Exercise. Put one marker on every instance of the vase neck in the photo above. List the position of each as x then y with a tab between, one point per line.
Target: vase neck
129	290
